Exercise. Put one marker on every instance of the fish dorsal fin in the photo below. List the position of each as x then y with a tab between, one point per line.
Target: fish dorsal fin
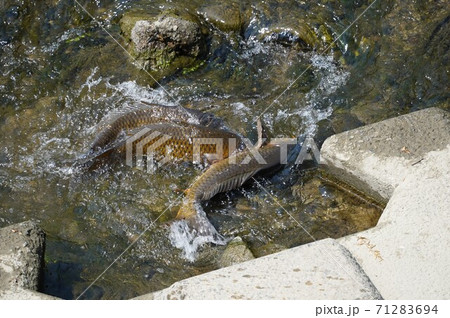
262	134
259	131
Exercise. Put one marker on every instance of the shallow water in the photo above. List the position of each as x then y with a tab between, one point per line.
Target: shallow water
62	75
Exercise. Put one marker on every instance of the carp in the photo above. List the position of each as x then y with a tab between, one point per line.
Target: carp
152	115
222	176
177	142
183	130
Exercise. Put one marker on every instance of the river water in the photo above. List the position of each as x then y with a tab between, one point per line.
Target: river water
62	74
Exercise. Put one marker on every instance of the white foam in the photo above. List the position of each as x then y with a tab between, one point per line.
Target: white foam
189	238
90	81
241	110
331	78
133	91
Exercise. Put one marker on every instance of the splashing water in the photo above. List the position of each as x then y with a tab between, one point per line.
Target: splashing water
332	77
135	93
189	238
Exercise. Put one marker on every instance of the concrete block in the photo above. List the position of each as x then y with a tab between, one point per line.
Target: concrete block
378	157
319	270
407	254
24	294
21	259
21	255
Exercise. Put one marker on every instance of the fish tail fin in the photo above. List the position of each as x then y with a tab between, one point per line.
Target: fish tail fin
202	227
194	216
192	230
188	209
93	160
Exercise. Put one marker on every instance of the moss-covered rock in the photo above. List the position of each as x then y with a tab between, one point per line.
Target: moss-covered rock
342	121
166	43
267	249
236	252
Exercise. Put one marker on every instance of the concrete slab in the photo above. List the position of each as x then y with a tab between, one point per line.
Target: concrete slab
377	158
21	255
320	270
407	254
21	259
405	160
24	294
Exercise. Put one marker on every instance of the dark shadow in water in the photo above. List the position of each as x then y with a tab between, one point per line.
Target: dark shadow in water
59	278
63	277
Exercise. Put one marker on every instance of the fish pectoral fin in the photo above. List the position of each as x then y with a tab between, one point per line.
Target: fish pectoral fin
93	156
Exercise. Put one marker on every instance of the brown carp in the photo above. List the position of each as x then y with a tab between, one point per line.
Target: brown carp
180	141
151	114
222	176
226	175
177	142
182	128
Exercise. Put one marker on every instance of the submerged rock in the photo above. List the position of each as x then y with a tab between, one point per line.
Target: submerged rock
236	252
36	119
224	16
302	36
165	43
291	24
398	60
267	249
343	121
